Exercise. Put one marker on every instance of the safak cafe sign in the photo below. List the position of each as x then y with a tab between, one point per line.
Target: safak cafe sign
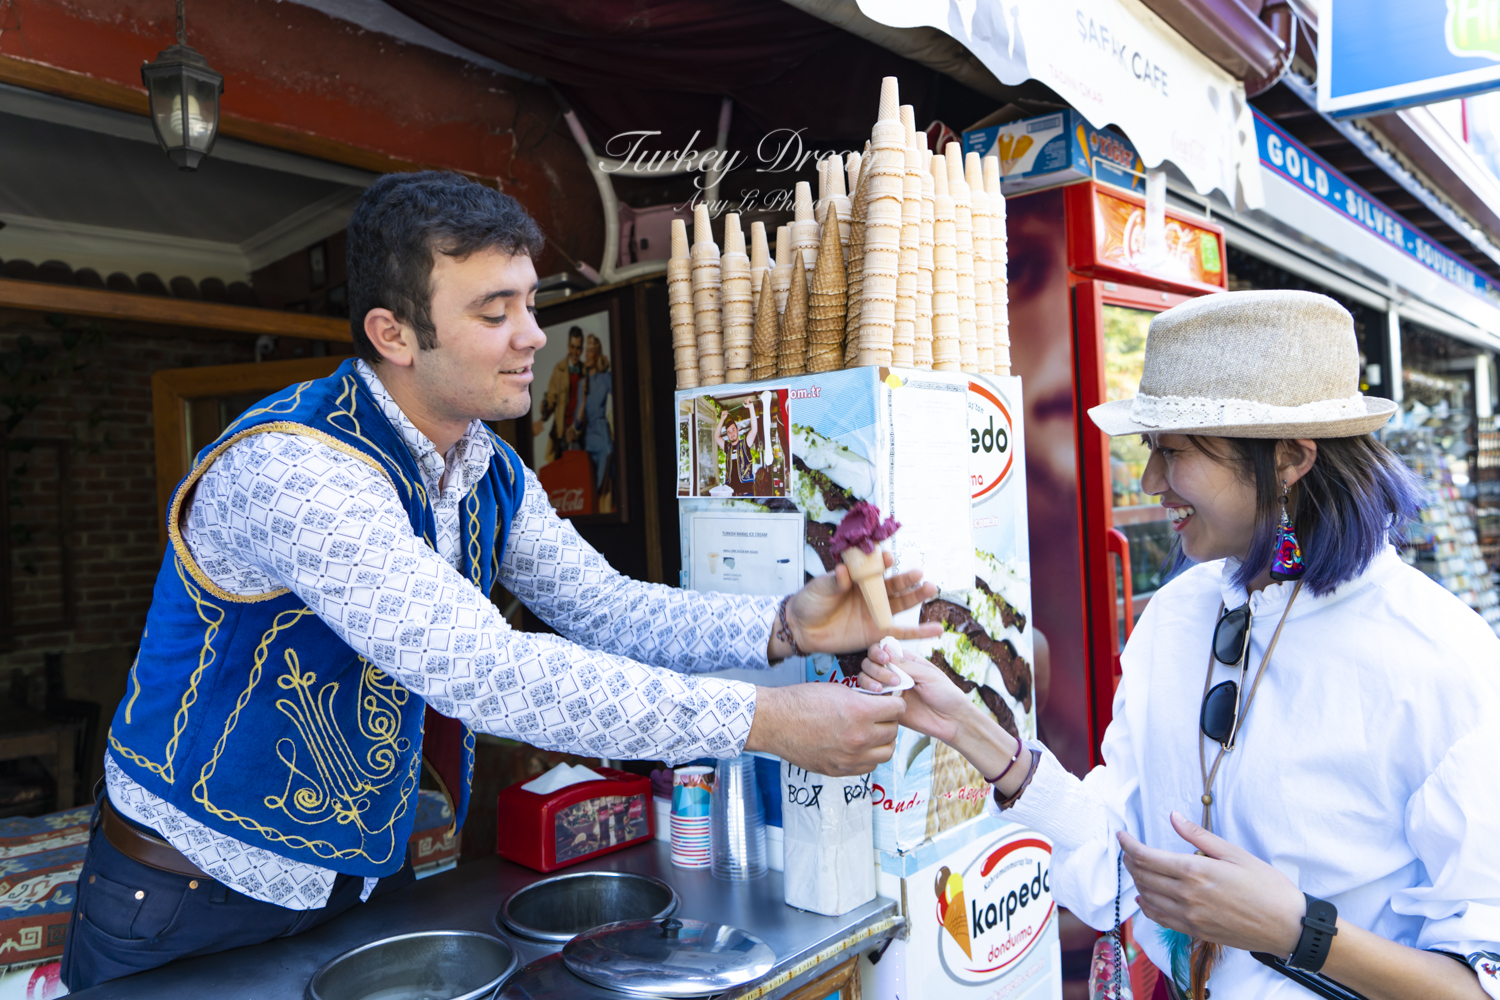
1118	64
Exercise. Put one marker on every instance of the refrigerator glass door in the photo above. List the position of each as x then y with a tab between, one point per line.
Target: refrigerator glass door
1139	516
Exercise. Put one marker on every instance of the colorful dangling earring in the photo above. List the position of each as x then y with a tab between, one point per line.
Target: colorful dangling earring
1287	563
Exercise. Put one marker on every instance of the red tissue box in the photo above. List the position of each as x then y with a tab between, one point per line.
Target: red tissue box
573	824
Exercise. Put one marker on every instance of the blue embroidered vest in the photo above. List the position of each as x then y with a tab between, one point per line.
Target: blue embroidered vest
252	716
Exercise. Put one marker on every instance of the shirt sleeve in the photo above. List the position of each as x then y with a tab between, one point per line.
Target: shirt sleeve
1082	816
1453	826
289	510
571	587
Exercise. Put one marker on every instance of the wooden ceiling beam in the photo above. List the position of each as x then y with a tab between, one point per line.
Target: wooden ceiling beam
71	300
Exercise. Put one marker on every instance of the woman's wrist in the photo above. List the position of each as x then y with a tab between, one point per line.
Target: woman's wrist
991	749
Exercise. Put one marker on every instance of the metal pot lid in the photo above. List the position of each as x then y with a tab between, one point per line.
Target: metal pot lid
668	958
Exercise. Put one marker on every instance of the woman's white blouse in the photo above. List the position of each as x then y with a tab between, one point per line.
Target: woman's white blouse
1367	771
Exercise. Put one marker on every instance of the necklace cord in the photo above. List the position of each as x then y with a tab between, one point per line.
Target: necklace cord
1209	775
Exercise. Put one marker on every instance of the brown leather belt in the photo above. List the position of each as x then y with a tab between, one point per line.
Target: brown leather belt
148	850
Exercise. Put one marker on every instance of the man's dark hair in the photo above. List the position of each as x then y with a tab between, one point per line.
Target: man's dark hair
576	331
399	226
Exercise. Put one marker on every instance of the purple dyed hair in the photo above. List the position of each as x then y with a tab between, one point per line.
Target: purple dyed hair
1357	496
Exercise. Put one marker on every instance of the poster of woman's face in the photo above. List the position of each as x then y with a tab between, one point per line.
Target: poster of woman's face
573	433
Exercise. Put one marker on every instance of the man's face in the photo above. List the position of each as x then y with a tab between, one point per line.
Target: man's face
483	308
734	433
575	349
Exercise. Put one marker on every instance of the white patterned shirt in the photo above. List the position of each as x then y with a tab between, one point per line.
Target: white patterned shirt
278	510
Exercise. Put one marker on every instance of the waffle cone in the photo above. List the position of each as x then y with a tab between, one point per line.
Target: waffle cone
867	569
791	358
956	922
767	333
760	257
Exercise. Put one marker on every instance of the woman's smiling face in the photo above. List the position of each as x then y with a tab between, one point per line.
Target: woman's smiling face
1211	508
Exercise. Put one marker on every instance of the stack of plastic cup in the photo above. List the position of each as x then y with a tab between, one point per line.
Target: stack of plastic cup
738	830
692	793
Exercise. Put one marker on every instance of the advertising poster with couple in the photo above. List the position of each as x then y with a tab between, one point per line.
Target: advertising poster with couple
574	442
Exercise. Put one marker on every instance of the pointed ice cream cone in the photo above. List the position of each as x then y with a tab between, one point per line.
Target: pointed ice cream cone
764	346
760	257
827	301
791	358
851	173
855	268
839	198
956	913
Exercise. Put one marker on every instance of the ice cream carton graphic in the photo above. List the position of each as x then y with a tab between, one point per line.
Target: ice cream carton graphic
1056	149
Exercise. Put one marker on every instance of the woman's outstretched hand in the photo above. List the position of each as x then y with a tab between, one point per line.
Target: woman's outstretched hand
934	706
1224	894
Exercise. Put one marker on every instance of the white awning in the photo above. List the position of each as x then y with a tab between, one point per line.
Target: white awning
1118	64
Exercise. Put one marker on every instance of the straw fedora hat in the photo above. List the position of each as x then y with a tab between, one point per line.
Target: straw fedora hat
1265	364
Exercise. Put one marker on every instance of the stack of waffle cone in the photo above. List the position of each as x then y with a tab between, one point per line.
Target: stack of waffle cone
805	226
999	264
851	176
820	207
984	306
827	301
904	339
680	305
739	320
760	258
867	570
958	791
945	348
781	274
767	332
791	358
707	309
963	229
882	250
839	199
855	268
922	349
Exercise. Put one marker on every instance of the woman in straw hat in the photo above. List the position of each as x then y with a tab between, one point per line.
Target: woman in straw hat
1327	716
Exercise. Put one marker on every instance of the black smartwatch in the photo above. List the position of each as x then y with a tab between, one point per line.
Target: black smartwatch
1318	929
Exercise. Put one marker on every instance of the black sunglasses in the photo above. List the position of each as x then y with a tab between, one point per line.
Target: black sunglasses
1220	716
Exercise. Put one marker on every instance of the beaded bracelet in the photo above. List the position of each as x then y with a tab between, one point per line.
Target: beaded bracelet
784	630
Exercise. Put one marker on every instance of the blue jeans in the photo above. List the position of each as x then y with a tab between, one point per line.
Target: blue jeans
130	917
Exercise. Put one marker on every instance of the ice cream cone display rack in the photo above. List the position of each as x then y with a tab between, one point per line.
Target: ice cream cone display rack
918	280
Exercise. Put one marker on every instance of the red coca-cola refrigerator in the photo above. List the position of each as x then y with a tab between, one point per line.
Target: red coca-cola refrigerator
1083	290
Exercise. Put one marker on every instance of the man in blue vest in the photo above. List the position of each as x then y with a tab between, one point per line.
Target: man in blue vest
323	607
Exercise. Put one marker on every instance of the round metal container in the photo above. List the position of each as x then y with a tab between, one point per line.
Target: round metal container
668	958
431	965
556	909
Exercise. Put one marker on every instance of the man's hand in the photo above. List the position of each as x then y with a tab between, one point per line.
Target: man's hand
829	615
826	728
1224	894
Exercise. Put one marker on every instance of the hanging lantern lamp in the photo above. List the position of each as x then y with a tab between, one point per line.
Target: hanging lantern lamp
184	93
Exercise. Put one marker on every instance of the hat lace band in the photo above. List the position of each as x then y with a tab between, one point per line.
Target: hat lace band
1198	411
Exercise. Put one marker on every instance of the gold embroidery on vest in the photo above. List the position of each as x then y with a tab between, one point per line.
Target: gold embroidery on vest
379	693
206	657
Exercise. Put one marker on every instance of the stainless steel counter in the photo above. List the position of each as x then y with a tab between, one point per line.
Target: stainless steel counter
468	897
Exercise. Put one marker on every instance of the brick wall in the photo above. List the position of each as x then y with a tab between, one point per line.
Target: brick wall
99	402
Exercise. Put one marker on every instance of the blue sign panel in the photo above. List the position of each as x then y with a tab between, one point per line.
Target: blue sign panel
1285	156
1378	55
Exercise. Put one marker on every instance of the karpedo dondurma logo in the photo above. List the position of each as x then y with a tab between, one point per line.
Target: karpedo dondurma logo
992	914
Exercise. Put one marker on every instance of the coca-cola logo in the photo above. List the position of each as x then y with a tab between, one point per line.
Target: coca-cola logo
991	441
569	500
